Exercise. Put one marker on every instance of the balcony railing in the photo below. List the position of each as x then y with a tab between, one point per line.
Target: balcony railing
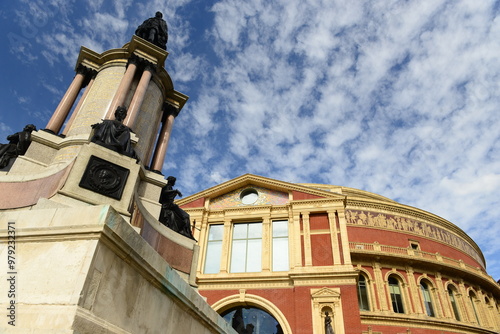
361	247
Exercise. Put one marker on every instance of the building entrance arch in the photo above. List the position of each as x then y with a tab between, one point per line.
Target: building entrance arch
230	305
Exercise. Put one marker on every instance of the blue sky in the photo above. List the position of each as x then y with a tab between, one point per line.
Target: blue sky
399	98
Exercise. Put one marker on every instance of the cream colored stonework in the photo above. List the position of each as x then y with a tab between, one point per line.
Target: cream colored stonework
85	270
97	103
72	188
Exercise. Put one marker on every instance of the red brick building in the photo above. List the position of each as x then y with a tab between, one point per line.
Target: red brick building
277	257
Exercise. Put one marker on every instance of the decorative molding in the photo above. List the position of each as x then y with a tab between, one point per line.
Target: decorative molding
392	222
421	322
104	177
409	211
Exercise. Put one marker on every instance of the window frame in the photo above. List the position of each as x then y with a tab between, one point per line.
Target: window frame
393	296
474	300
366	298
425	289
212	253
247	254
452	298
274	256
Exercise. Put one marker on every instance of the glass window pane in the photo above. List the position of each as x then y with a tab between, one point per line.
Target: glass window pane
251	320
238	256
427	299
215	232
399	304
397	301
212	262
240	231
254	255
280	254
255	230
362	294
453	304
280	228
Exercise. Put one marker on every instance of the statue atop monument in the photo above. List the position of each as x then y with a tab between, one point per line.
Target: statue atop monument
154	30
113	135
18	145
171	215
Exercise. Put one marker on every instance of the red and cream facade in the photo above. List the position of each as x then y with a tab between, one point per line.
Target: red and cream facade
375	265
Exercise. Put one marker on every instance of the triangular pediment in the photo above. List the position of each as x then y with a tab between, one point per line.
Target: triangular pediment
271	192
325	292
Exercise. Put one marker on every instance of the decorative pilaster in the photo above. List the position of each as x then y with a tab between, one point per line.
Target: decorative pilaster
225	256
171	113
334	237
373	297
61	113
414	291
480	307
469	313
202	241
138	98
380	283
266	244
295	247
343	237
307	239
442	310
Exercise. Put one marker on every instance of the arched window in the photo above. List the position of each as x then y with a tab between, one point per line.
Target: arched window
429	309
473	300
396	295
248	319
363	293
453	301
488	312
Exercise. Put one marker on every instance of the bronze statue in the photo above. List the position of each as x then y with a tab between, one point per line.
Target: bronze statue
154	30
171	215
328	324
113	134
18	145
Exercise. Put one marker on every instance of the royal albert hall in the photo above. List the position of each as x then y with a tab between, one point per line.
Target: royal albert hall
277	257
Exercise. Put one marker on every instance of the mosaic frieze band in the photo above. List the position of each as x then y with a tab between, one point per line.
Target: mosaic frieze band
392	222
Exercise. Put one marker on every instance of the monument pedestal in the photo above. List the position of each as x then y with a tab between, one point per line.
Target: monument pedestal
86	270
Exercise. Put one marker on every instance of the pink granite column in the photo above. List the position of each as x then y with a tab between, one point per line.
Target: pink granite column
123	88
163	138
140	92
79	105
56	121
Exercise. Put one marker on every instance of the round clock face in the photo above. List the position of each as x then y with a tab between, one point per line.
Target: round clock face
249	196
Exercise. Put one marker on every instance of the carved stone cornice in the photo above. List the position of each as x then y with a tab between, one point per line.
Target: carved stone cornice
407	211
420	322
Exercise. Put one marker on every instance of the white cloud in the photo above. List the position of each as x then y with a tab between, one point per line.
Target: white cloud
395	97
398	100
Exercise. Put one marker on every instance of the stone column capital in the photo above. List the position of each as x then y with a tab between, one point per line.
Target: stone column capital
169	109
84	70
150	67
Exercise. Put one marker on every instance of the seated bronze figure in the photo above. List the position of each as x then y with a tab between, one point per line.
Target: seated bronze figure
114	135
171	215
18	145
